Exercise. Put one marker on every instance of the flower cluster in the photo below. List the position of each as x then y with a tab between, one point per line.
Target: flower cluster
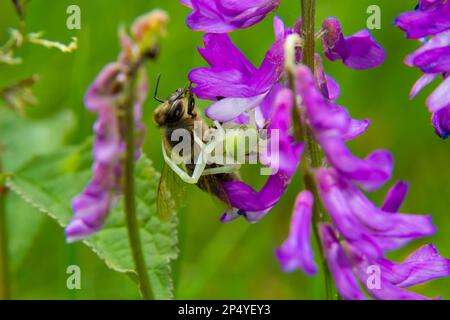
430	24
357	234
360	233
106	97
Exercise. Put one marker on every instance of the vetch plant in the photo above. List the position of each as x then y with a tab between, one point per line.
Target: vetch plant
110	204
430	25
290	90
117	96
283	115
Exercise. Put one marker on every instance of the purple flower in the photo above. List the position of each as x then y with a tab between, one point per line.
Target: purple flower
430	18
233	79
92	206
340	265
332	126
296	251
350	267
371	229
431	21
253	205
366	231
222	16
359	51
421	266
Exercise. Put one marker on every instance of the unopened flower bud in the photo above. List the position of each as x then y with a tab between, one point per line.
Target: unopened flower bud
148	28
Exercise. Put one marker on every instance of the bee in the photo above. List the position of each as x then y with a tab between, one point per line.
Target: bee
179	112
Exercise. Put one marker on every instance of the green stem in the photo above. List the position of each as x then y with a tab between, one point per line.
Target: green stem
130	204
4	271
312	150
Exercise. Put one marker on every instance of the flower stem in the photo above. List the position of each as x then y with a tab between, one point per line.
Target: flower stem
130	204
4	278
312	150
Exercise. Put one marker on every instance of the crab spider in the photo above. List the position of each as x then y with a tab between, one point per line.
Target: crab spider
205	153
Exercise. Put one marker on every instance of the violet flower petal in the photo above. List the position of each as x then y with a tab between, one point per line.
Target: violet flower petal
386	224
279	28
230	108
101	93
222	16
362	223
429	4
340	265
360	51
395	197
332	125
271	69
441	122
386	290
423	81
328	86
326	118
364	51
370	173
345	221
421	266
232	76
438	41
296	251
221	53
357	128
434	61
211	84
244	197
440	98
420	24
334	44
286	157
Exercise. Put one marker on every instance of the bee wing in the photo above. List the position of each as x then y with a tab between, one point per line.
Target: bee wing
171	190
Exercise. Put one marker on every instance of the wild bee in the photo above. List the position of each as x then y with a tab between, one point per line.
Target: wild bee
178	112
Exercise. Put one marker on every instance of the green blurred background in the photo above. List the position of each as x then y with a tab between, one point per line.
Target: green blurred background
233	261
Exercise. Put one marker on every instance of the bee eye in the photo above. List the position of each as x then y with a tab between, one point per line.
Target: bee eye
191	105
175	113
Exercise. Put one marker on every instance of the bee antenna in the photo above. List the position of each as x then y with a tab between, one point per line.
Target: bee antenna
155	96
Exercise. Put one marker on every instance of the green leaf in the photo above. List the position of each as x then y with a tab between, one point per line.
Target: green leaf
20	140
23	138
49	183
23	227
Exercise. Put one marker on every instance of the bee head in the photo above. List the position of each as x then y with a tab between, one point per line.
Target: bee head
178	107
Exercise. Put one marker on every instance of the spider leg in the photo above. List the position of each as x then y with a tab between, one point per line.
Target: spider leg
199	167
224	169
252	122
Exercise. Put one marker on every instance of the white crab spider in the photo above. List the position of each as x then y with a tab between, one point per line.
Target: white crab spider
205	153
